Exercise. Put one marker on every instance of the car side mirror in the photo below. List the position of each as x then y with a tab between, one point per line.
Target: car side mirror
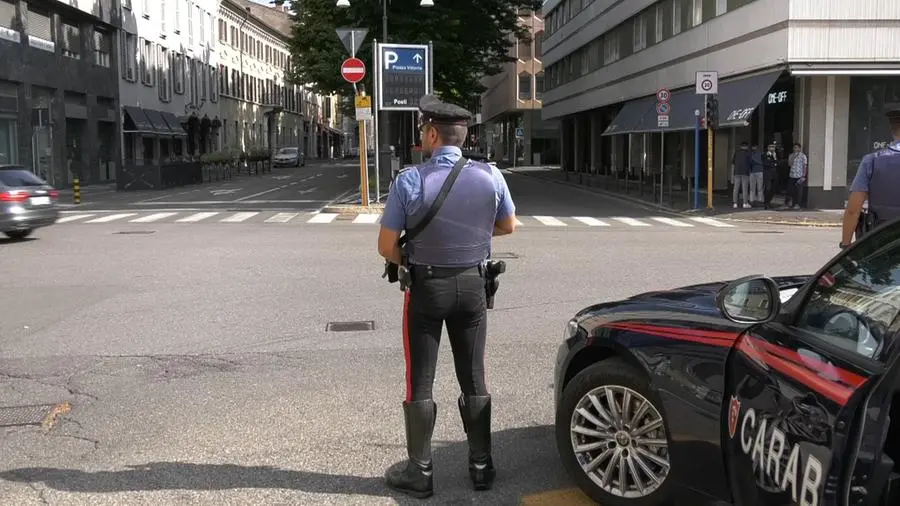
753	299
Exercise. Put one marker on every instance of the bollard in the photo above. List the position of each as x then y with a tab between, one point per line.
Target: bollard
76	190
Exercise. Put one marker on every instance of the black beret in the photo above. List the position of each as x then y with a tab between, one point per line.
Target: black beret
435	111
892	110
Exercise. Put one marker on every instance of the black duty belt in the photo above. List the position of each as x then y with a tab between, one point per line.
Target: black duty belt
429	271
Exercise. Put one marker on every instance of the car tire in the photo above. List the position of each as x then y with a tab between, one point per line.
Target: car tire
617	376
18	234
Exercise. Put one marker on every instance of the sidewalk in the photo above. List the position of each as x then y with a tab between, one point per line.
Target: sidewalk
679	202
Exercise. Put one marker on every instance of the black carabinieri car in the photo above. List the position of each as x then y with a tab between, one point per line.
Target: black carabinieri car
759	391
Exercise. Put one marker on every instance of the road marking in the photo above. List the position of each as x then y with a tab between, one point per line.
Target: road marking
519	223
591	222
270	190
674	223
632	222
282	218
66	219
153	217
323	218
565	497
111	217
366	218
712	222
194	218
239	217
550	221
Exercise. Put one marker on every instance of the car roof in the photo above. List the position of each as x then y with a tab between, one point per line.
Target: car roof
10	166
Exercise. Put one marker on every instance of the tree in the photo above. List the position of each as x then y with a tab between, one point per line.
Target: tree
471	39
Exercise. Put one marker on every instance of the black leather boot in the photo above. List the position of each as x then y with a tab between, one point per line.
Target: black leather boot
416	478
476	416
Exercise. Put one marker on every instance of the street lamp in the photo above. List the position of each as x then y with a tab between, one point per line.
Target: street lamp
422	3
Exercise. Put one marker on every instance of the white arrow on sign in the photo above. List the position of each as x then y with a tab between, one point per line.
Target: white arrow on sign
224	192
417	57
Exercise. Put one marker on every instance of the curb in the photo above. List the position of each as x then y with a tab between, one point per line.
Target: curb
657	207
353	209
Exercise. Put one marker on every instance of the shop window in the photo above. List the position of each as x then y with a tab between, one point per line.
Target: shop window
8	154
525	91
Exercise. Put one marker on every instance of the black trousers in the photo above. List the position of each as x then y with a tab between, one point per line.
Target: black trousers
435	297
769	192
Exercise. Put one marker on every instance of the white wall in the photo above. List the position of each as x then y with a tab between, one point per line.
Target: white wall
844	30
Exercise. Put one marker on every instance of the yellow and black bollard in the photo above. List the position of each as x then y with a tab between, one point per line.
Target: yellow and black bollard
76	190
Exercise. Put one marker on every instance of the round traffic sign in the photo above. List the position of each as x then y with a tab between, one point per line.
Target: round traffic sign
353	70
663	108
663	95
706	84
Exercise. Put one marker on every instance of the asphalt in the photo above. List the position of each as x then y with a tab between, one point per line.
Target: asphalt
198	369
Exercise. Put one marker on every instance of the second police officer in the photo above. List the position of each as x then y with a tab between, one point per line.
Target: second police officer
878	181
446	265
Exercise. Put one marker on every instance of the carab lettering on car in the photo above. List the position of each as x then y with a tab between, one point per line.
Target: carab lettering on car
766	445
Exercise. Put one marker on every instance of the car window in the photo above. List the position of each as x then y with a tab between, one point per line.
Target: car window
288	151
19	177
854	303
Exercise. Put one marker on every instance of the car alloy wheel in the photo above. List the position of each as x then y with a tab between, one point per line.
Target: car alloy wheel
619	440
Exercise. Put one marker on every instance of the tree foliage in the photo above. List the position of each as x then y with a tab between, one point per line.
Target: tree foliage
472	39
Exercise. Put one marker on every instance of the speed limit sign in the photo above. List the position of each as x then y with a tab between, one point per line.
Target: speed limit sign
707	83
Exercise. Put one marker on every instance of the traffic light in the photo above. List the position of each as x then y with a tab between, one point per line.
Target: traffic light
712	112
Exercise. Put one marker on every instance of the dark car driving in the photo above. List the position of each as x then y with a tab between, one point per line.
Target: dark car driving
758	391
27	202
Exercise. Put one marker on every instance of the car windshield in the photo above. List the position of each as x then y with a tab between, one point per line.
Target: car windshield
17	177
287	151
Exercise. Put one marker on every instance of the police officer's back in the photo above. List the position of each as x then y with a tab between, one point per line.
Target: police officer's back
447	266
878	181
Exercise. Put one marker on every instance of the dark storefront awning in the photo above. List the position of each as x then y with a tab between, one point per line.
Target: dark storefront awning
136	121
739	98
681	113
174	124
631	116
156	118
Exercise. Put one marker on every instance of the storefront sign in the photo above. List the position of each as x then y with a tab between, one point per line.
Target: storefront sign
778	97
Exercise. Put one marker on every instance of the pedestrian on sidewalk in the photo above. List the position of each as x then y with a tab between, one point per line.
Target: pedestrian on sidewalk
799	170
756	175
740	174
445	260
770	175
878	181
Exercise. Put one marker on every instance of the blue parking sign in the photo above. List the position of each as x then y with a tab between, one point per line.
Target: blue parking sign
404	72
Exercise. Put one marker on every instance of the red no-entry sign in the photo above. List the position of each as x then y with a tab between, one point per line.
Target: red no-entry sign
353	70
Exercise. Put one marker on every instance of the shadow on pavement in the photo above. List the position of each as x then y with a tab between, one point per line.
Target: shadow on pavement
526	461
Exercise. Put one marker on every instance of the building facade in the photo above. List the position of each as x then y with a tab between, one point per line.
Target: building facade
168	80
817	72
510	126
59	88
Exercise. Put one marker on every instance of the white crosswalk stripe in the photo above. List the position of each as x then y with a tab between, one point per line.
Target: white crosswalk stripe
632	222
323	218
366	218
153	217
239	217
194	218
591	222
550	221
713	223
670	221
111	217
286	218
282	217
73	217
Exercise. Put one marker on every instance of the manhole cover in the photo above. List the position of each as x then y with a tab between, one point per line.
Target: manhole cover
136	232
15	416
503	254
761	232
359	326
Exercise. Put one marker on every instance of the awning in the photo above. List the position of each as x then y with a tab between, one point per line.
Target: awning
174	123
333	130
135	121
739	98
681	113
156	118
630	116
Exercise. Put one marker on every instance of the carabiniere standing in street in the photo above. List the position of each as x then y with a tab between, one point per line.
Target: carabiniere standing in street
449	208
878	181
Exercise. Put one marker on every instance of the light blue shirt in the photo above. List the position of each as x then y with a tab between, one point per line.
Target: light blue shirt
406	197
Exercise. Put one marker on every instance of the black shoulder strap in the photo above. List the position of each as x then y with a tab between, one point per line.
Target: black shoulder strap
438	202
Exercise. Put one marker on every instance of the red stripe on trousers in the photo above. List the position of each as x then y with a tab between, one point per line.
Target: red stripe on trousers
406	355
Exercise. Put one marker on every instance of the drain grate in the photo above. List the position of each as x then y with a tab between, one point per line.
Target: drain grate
357	326
135	232
502	255
16	416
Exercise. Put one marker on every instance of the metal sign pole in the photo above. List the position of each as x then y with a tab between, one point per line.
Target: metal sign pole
376	109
